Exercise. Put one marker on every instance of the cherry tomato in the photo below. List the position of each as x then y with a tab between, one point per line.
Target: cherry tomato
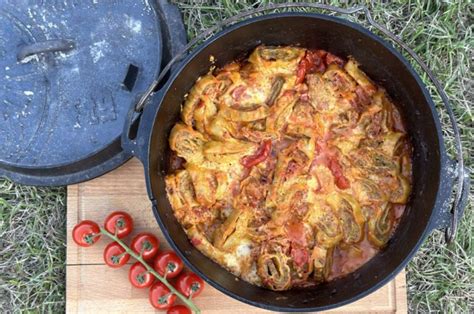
86	233
145	244
139	276
115	255
260	155
168	264
189	284
120	221
178	309
160	296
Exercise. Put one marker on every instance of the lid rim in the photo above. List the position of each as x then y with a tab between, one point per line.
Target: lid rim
109	155
45	178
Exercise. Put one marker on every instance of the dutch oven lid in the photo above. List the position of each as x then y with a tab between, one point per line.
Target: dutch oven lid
69	72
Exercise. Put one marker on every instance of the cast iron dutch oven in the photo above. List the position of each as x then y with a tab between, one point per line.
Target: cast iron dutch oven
433	171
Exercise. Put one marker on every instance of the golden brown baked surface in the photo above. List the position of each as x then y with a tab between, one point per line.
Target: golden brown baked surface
289	168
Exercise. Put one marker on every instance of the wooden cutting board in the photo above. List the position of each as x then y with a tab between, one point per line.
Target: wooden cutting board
95	288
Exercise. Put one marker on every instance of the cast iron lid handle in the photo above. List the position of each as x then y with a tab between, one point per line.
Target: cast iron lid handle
52	45
462	177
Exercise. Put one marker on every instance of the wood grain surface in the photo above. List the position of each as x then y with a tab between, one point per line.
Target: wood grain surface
95	288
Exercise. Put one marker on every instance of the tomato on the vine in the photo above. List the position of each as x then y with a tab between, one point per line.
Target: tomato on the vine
119	223
160	296
178	309
168	264
115	255
139	276
86	233
190	285
145	244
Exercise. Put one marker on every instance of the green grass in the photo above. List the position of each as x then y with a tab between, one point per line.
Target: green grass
440	278
32	248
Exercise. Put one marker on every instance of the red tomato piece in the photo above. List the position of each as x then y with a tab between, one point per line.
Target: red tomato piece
260	155
303	67
115	255
139	276
145	244
168	264
312	62
160	296
119	223
178	309
189	284
86	233
336	169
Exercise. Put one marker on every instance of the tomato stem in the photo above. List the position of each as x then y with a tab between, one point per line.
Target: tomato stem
119	223
164	298
89	238
146	246
141	277
121	255
142	250
150	269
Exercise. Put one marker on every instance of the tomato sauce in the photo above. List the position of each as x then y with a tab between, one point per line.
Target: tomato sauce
346	260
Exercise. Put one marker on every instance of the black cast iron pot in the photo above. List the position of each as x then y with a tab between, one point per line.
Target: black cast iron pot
432	170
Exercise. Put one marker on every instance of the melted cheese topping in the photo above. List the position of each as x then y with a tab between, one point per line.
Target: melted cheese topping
295	169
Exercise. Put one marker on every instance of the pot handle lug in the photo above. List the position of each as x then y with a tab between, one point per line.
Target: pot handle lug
458	207
137	127
450	213
140	117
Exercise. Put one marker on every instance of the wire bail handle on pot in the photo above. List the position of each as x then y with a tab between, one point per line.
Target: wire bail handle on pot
462	177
